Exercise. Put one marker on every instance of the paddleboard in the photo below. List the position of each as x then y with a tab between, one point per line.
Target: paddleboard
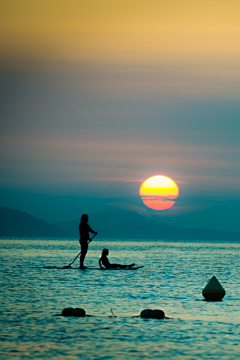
131	268
91	268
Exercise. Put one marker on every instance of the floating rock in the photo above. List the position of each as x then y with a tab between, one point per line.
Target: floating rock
213	291
78	312
152	314
146	313
67	311
158	314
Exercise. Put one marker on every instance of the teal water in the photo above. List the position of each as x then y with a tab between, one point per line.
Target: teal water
172	280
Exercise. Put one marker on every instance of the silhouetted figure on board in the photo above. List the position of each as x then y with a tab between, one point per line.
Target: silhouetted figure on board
84	230
106	264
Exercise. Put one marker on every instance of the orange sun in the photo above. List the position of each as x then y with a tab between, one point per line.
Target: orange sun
158	192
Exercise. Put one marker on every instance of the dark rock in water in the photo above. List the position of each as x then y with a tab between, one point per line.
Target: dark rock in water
78	312
213	291
157	314
146	313
152	314
67	311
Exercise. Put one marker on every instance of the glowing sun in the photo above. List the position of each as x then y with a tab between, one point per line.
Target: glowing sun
158	192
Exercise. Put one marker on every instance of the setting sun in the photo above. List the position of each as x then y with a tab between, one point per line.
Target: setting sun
158	192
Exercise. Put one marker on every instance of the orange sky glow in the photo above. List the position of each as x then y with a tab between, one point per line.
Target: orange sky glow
106	93
147	32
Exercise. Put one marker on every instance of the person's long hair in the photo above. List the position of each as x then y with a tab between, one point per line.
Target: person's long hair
105	252
84	218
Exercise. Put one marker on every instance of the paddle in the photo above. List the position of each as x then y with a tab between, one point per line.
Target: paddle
67	266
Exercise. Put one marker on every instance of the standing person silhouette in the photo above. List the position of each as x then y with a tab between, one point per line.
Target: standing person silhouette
84	230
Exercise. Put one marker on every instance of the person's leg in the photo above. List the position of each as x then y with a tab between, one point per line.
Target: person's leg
84	249
121	266
131	265
125	266
114	266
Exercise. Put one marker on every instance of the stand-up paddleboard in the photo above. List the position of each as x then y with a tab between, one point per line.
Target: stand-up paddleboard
91	268
131	268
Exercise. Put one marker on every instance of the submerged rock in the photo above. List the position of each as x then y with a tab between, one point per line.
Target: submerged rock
213	291
158	314
78	312
152	314
67	311
146	313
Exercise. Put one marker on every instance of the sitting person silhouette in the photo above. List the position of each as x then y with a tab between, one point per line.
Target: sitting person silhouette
106	264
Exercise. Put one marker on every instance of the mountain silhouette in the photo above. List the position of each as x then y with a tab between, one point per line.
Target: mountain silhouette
19	224
114	223
124	224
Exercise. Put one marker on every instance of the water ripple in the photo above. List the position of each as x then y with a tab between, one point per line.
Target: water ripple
172	279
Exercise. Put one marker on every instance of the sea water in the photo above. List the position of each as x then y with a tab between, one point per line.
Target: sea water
174	274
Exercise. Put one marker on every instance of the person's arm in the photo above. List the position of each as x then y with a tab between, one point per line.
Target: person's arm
91	230
106	262
99	261
89	240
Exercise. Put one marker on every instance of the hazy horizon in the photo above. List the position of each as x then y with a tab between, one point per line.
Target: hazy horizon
98	96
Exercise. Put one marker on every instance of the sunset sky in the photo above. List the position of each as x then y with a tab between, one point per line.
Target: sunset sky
98	95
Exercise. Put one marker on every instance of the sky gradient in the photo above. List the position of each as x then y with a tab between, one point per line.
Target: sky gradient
97	96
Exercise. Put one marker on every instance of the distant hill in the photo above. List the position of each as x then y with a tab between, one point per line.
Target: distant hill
112	223
18	223
123	224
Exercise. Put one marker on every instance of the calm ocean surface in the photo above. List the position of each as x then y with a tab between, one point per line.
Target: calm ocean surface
172	280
